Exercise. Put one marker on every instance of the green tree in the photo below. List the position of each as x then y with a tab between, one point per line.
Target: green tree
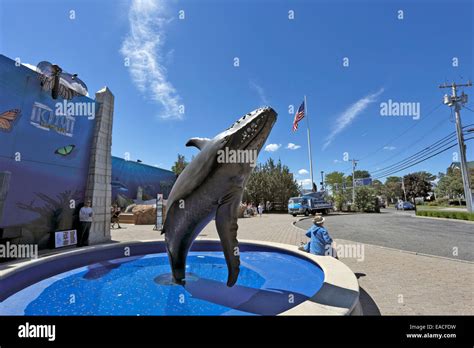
271	182
334	180
393	188
339	199
179	165
418	185
365	199
378	187
450	185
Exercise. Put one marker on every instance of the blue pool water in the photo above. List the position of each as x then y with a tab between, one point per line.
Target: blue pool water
269	283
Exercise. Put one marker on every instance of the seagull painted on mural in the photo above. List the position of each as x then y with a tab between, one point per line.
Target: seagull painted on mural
60	83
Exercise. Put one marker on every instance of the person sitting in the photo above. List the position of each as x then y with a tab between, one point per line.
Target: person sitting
320	241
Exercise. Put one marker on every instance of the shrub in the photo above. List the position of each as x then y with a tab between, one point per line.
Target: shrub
339	200
442	201
365	199
459	215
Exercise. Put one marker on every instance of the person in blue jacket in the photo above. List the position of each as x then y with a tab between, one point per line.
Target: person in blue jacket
320	241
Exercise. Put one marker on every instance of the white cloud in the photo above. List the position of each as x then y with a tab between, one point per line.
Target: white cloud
337	161
346	118
143	47
292	146
260	91
389	148
306	183
303	172
272	147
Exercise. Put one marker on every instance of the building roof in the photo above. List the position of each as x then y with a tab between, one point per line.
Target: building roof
470	164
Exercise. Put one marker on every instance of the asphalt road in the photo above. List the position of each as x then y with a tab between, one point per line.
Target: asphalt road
401	230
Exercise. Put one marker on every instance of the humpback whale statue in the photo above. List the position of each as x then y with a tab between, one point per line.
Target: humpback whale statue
211	187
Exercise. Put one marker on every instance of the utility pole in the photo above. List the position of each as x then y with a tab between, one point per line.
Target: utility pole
403	188
458	102
354	164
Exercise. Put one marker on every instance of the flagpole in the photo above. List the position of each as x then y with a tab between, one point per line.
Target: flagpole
309	142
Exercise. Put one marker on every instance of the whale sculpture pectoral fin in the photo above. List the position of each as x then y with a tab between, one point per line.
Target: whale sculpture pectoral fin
226	224
198	142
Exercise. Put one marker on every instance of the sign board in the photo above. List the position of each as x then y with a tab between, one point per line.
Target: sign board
363	182
159	212
65	238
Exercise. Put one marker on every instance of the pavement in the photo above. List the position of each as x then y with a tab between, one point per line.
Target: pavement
392	282
403	230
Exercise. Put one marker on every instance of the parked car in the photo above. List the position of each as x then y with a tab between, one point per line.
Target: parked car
405	206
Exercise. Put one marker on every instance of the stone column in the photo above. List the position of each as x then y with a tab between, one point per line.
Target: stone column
99	179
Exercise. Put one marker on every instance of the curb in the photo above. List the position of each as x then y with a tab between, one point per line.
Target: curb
443	219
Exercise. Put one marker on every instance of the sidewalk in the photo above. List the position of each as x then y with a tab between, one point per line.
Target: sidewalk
392	282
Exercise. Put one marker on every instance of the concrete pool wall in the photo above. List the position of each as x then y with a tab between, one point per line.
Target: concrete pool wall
339	294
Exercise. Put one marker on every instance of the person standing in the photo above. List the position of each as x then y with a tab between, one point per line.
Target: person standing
260	209
115	219
85	218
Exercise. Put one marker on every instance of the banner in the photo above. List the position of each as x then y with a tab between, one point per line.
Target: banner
159	212
65	238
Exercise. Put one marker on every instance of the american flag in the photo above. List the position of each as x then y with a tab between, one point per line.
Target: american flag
298	117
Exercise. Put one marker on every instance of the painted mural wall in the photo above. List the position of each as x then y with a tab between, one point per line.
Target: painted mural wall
44	156
128	177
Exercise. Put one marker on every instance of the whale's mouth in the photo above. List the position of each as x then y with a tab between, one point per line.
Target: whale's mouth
258	134
250	131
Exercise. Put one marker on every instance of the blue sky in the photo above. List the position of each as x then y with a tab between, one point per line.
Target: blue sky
190	62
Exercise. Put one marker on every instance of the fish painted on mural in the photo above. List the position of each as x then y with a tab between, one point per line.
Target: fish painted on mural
119	186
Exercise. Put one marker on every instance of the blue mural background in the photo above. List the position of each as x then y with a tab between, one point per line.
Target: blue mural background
42	180
127	176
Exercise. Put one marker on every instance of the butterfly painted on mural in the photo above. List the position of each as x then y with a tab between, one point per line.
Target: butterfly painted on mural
65	151
7	118
60	83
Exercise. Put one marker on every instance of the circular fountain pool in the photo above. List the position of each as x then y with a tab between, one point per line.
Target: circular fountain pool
127	279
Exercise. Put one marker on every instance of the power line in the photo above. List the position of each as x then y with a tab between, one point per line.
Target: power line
450	137
420	155
465	107
397	137
413	161
425	159
404	132
413	143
